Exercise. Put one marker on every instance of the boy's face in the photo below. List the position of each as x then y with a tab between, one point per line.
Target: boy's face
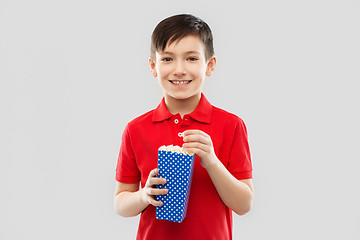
181	68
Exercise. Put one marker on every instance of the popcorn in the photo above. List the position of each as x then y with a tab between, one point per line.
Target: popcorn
176	166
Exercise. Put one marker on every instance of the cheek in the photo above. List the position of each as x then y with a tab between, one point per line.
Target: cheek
197	69
164	71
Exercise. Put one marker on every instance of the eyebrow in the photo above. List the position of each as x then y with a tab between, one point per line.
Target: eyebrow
188	52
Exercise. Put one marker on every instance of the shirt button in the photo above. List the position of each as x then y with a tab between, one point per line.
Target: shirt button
180	134
176	121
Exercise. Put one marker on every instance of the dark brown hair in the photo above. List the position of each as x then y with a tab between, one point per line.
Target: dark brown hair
176	27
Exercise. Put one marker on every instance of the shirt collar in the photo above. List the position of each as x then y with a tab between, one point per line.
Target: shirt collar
202	112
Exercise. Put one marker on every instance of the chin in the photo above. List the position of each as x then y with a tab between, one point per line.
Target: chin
180	96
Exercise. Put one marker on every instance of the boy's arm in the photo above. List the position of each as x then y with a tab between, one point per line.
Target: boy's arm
236	194
129	201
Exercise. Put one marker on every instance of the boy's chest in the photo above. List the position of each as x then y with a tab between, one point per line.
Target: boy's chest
170	133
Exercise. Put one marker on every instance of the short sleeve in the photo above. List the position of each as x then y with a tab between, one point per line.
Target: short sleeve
127	170
240	161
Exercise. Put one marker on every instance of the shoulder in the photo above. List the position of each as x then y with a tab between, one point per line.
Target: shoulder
228	122
139	125
226	117
141	120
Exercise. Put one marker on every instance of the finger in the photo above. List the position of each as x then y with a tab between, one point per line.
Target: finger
201	153
198	138
192	146
156	191
153	202
195	131
155	181
153	172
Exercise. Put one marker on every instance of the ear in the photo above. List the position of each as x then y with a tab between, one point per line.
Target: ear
152	67
210	66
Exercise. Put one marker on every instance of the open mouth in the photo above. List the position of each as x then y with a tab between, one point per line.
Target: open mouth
181	82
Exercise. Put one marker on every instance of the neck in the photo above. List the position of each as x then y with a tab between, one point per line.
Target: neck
182	106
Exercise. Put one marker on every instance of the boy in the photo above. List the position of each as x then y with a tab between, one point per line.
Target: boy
182	55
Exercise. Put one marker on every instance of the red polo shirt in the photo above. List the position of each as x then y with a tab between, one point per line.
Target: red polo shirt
207	216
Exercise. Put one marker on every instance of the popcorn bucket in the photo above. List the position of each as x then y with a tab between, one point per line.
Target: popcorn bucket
176	166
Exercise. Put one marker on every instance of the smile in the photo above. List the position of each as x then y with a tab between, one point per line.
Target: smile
179	83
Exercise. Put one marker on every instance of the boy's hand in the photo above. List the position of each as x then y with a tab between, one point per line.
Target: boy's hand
197	141
149	191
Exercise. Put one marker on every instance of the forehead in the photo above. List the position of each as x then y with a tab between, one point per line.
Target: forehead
190	43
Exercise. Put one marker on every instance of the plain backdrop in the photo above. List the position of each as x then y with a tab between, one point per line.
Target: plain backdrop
73	73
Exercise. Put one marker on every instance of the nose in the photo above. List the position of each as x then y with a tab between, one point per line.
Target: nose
180	69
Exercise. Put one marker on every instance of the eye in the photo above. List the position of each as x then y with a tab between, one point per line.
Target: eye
166	59
192	59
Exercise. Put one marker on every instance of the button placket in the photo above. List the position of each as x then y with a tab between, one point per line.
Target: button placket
179	128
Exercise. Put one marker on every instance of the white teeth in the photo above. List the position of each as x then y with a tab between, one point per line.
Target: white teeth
180	82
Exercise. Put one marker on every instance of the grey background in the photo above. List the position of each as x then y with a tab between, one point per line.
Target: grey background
73	73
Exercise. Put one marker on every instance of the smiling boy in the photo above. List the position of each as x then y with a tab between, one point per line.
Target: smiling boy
182	55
